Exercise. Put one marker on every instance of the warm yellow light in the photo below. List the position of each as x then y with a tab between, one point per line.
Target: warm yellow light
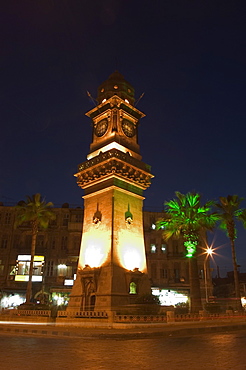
209	251
38	258
26	278
94	256
131	251
131	259
94	249
105	148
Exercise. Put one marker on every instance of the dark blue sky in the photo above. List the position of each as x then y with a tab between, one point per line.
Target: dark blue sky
187	56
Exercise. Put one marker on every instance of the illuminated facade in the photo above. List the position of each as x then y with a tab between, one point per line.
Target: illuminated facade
56	258
60	245
112	254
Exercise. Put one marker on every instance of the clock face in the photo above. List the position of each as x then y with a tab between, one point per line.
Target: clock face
101	127
128	128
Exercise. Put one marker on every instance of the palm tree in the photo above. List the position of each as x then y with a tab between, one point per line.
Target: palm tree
229	211
188	219
36	211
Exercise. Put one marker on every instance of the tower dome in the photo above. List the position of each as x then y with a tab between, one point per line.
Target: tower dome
116	85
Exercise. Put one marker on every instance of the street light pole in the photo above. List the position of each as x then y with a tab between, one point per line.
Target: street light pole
209	252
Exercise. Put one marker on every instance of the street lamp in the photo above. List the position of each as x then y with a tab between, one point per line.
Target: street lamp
209	252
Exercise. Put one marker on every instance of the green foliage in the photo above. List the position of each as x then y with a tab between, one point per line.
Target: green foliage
229	211
181	308
148	299
148	304
212	307
187	217
34	210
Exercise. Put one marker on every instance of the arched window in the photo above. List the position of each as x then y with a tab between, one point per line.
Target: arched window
133	288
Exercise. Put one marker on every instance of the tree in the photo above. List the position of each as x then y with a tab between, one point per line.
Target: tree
36	211
187	218
229	212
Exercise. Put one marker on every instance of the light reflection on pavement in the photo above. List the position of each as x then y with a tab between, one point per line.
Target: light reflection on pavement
207	351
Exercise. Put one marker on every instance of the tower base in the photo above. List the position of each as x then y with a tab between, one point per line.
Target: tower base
108	288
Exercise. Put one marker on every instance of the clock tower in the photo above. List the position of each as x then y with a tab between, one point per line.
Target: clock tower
112	265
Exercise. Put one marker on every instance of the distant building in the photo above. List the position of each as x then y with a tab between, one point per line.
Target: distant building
57	253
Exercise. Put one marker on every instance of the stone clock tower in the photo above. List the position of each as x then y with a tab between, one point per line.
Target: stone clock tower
112	264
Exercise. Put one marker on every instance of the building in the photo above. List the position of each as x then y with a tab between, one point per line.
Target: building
56	254
59	246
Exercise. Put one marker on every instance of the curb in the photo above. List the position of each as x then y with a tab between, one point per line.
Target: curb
142	333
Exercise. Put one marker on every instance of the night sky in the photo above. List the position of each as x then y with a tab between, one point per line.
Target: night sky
188	57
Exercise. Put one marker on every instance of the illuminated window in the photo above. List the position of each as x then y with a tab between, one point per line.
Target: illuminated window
69	282
153	248
12	270
133	288
153	226
164	248
170	297
64	270
23	267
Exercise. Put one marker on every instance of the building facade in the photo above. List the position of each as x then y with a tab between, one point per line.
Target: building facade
57	255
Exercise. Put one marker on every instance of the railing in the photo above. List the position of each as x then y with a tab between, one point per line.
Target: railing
83	314
140	318
166	318
46	313
188	317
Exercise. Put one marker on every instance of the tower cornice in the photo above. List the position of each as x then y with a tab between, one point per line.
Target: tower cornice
117	164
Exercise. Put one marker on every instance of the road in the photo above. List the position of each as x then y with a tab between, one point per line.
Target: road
196	352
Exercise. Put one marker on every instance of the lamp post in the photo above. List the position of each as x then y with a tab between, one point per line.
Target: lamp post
209	252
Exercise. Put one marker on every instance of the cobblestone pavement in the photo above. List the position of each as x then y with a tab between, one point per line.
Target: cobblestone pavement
192	352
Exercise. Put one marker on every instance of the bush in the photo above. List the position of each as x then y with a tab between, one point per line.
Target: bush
148	299
181	308
33	306
212	307
148	304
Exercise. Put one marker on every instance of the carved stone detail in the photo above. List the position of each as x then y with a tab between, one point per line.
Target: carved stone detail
114	162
